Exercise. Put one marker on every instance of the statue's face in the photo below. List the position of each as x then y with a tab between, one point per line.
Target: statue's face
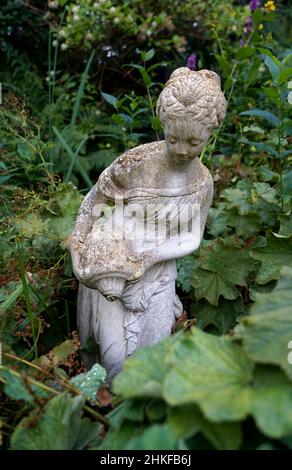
185	140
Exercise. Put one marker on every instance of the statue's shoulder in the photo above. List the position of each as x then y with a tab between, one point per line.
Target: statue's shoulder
134	162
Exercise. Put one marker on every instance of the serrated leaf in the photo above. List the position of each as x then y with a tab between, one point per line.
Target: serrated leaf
268	328
89	382
276	254
222	317
211	285
59	427
215	375
17	389
222	267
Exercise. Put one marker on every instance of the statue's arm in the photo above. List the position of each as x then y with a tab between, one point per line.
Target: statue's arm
187	241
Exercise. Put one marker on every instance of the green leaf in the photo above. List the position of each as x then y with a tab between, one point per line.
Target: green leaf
286	225
144	363
18	389
271	402
11	298
222	317
261	146
57	355
128	410
110	99
276	253
149	55
89	382
284	75
212	372
268	328
244	52
273	94
222	266
156	437
272	63
118	439
59	427
267	115
187	420
211	286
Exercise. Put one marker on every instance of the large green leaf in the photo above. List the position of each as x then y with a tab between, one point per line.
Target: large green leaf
223	317
187	420
156	437
271	402
148	363
268	329
223	265
212	372
215	374
211	285
276	253
59	427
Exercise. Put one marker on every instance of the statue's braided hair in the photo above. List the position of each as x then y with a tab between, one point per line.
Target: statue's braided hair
194	94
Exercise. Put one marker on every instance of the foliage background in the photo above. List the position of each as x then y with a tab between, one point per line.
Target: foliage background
79	86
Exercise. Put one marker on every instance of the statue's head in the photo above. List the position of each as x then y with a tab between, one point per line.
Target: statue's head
190	106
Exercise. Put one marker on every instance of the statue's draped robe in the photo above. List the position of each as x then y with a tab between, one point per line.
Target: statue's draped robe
148	308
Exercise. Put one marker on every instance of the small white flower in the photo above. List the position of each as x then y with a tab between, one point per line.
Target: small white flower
55	43
47	79
96	5
112	10
116	20
76	17
195	24
153	24
89	36
53	4
52	73
97	112
62	33
64	46
102	1
75	8
148	32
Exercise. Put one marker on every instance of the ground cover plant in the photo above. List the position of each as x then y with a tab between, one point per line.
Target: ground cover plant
79	83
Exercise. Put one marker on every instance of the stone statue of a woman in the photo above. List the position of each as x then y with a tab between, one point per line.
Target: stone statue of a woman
148	208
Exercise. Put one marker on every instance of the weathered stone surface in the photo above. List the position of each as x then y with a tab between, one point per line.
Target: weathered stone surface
148	208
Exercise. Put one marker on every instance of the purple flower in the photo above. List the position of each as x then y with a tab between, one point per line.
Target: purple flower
248	27
241	42
192	61
254	4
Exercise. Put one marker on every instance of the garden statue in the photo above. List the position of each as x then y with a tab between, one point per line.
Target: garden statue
148	208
